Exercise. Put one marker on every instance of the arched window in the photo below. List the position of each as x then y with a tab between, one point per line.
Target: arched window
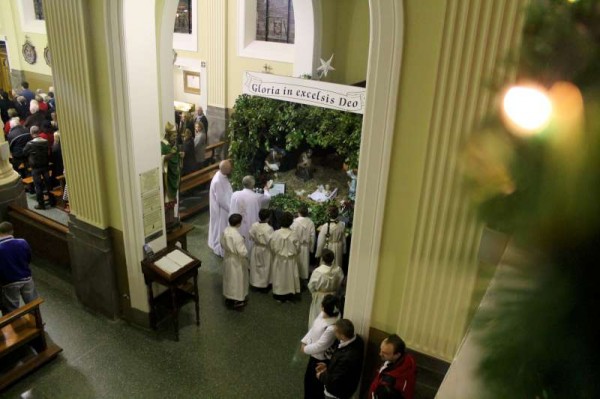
32	16
185	27
280	30
38	9
183	17
275	21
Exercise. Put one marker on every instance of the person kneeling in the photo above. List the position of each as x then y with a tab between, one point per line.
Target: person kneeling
235	264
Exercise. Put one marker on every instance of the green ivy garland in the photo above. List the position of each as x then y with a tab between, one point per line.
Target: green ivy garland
259	123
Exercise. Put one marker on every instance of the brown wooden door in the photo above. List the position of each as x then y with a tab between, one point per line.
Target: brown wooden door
4	71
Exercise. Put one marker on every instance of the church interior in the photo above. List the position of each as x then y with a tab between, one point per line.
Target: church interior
436	148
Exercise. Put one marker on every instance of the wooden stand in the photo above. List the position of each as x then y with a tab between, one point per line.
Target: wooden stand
179	235
179	291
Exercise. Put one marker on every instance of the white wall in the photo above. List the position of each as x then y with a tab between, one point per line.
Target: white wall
194	65
142	72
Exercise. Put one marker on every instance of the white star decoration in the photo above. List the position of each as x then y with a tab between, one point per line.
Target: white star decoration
325	67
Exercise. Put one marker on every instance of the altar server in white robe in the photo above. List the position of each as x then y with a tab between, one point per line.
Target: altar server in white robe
247	203
325	280
235	263
260	256
219	201
285	246
305	228
332	235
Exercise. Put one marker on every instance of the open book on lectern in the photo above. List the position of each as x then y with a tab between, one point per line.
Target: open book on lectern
173	261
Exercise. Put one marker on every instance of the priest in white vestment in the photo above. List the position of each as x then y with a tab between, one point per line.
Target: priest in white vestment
260	255
248	203
325	280
235	263
305	229
332	235
285	247
219	201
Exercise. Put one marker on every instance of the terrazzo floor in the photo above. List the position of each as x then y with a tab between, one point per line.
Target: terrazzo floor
249	354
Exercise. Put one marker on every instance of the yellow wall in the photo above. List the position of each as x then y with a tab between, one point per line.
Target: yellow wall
346	34
10	26
237	65
420	62
428	272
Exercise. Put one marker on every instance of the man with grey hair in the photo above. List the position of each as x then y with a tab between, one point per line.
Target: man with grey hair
248	203
200	117
37	117
219	201
15	274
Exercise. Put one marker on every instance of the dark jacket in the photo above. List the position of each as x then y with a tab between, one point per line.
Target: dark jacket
5	105
16	255
22	109
343	372
202	119
37	153
17	138
36	119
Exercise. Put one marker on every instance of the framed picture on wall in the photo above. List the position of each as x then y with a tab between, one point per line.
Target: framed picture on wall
191	82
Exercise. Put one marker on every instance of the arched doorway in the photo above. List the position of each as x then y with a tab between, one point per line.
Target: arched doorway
383	78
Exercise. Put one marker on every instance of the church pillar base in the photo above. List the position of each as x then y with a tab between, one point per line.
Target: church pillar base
11	194
93	267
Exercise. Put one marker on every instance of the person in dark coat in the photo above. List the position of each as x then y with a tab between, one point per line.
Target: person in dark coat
201	117
5	105
17	139
38	156
342	375
22	107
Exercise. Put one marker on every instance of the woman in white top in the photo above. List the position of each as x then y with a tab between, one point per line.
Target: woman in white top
317	343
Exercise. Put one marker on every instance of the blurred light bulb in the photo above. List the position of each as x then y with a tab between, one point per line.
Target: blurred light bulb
527	109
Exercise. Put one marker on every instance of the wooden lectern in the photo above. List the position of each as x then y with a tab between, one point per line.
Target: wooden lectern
173	269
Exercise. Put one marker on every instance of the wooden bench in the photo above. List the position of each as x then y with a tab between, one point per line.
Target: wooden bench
199	178
212	149
29	179
193	180
19	328
47	238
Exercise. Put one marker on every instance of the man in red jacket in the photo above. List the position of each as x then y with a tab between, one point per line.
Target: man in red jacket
397	376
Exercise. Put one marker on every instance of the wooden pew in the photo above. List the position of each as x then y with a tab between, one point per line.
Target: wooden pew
19	328
47	238
200	178
193	180
211	150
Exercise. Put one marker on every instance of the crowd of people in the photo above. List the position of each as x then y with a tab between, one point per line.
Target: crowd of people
279	260
241	231
31	129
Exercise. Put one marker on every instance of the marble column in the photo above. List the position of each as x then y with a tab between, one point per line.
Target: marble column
11	188
216	70
75	69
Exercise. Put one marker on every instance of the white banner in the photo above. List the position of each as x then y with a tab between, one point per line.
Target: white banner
305	91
